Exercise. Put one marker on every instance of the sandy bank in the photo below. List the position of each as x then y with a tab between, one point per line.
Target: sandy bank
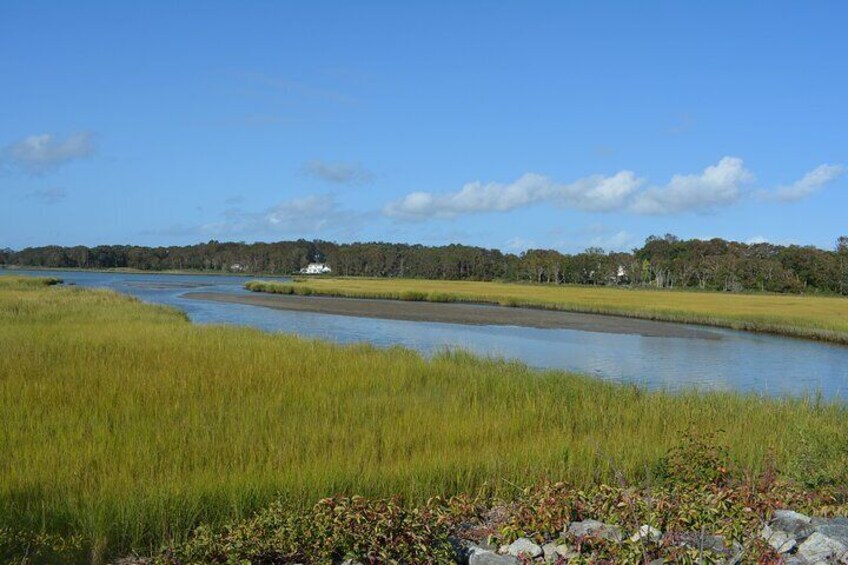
452	313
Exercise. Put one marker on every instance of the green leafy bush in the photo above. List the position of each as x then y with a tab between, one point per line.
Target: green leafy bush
374	530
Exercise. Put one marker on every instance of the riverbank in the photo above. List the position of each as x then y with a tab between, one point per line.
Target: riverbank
451	313
807	317
130	271
123	426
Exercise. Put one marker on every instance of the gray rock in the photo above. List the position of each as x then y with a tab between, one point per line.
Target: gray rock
595	529
795	525
478	556
791	515
779	540
834	531
524	547
837	521
564	550
461	547
646	532
550	553
818	547
737	554
706	542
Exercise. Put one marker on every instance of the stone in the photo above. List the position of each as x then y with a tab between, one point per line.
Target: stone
707	542
595	529
461	547
549	552
736	557
478	556
795	524
646	532
818	547
524	547
564	550
835	531
779	540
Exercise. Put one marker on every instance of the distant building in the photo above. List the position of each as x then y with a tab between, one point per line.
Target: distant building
316	269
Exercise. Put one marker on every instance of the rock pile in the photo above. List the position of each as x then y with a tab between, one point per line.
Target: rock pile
799	539
803	540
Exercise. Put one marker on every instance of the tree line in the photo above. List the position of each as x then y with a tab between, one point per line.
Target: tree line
662	262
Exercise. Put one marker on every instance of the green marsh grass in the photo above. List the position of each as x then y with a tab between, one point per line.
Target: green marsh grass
125	424
810	317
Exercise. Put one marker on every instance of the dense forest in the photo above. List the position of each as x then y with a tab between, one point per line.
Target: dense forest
662	262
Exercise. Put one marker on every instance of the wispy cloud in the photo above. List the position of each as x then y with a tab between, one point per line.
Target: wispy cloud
682	123
519	244
310	216
809	184
39	154
49	195
307	215
234	200
339	173
616	241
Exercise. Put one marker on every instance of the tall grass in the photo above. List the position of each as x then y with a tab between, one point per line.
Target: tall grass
811	317
125	424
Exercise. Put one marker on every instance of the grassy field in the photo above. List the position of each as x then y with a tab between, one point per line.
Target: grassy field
125	424
812	317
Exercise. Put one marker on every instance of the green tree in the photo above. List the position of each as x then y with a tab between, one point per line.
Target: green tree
842	254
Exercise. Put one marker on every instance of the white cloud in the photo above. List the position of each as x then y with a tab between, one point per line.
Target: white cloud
39	154
339	173
718	185
596	193
808	184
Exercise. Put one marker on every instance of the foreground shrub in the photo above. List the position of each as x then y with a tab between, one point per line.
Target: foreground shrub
377	531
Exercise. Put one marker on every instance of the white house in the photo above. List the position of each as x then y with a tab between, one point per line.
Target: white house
316	269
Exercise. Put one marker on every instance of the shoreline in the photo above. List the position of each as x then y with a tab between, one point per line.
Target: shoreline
722	312
130	271
459	313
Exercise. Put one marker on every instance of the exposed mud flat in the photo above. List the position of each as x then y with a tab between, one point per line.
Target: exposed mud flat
452	313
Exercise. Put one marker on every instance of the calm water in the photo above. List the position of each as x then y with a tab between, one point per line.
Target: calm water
738	361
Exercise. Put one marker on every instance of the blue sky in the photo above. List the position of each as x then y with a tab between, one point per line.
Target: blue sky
504	124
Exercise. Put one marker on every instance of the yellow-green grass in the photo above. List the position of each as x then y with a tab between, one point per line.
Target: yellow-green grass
126	424
19	282
812	317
